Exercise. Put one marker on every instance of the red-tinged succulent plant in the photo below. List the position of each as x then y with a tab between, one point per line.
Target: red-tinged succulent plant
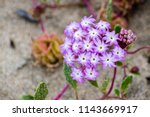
46	50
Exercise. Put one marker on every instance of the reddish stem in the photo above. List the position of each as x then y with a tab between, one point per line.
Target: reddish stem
53	6
34	5
42	25
90	7
124	70
112	85
62	92
141	48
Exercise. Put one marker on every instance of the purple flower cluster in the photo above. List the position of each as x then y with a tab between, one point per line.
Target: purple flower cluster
90	44
126	37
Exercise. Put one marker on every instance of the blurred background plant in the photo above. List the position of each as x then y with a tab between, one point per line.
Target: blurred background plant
46	51
121	8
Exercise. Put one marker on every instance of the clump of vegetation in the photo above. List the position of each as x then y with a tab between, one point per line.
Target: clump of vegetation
46	50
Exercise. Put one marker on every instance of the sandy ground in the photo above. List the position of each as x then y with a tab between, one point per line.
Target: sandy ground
18	75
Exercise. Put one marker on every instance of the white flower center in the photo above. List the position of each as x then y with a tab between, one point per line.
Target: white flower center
85	22
100	47
93	33
77	74
111	38
75	46
69	58
108	59
94	59
83	58
91	73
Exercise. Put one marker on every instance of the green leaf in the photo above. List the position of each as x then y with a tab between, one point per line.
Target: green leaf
67	72
93	82
41	91
117	92
125	83
117	28
119	63
27	97
105	84
109	10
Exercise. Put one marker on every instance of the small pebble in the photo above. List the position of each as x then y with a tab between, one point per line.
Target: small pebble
12	44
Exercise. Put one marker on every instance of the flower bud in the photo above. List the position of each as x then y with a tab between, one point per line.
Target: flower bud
134	70
126	37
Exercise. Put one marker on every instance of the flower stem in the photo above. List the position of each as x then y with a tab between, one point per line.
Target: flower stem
53	6
141	48
112	85
34	4
62	92
124	70
42	25
76	94
90	7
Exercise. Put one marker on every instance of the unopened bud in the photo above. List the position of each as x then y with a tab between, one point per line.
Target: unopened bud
134	69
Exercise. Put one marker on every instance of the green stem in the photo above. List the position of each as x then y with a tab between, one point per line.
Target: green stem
76	94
